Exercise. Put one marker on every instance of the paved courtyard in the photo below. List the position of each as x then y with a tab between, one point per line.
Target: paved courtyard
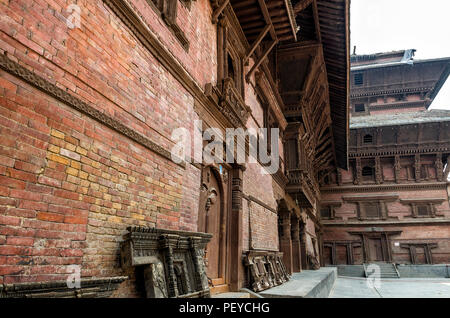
349	287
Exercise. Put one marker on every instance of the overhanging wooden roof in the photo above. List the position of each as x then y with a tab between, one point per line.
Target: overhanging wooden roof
334	20
255	15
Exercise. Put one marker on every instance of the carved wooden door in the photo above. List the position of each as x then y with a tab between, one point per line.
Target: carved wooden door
210	215
327	255
376	250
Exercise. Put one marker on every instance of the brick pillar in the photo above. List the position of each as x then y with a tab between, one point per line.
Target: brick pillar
295	237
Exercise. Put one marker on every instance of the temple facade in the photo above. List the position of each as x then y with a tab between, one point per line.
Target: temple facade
392	204
90	95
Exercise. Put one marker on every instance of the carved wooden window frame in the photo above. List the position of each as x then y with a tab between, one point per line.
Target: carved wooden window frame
168	13
430	209
364	112
358	79
380	205
330	210
229	44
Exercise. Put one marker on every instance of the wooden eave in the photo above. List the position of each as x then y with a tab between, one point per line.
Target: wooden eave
334	21
255	15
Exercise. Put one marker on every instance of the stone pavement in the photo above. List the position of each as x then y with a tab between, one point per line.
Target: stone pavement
306	284
349	287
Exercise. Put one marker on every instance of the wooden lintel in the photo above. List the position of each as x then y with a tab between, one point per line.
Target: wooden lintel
258	41
260	60
219	10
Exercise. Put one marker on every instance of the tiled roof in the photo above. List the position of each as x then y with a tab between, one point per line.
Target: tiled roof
435	115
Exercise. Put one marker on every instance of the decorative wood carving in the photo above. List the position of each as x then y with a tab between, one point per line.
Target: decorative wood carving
378	171
174	261
439	167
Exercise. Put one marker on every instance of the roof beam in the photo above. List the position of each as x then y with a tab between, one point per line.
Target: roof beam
258	41
260	60
267	18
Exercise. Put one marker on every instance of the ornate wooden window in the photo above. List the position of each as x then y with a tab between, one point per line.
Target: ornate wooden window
368	173
359	79
168	9
360	108
368	139
325	212
371	210
423	210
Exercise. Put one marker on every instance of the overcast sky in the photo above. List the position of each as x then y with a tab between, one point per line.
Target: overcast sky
390	25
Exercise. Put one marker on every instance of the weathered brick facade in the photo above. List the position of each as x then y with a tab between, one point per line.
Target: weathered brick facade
392	204
86	118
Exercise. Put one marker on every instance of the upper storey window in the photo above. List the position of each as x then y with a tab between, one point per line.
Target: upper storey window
359	79
325	212
360	108
368	139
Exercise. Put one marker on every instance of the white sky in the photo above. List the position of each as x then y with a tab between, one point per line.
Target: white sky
390	25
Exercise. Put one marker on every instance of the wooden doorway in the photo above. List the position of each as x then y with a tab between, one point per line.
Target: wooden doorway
376	250
213	219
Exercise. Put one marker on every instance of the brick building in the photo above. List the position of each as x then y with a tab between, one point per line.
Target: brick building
392	204
89	97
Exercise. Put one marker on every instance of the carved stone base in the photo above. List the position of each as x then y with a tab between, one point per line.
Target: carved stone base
90	288
266	270
173	261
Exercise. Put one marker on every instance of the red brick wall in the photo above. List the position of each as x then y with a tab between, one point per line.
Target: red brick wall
70	186
432	233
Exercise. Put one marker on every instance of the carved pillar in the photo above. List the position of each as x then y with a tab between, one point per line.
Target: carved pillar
447	169
198	253
285	239
378	170
221	51
168	255
237	272
397	169
417	167
379	134
295	236
304	260
439	167
358	172
339	176
384	210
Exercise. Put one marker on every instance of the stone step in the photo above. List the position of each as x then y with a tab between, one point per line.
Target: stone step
232	295
387	270
219	289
